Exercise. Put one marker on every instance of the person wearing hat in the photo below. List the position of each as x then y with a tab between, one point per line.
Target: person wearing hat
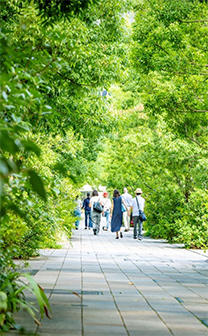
137	205
106	210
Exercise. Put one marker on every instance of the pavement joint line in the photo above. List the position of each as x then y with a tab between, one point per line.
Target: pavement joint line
179	300
67	251
82	284
41	267
184	305
205	322
70	292
196	252
199	271
32	272
202	321
114	300
191	290
146	300
170	277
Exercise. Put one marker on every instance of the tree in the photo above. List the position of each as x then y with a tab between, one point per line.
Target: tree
56	58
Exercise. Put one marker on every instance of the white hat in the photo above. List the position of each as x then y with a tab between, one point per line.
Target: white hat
138	191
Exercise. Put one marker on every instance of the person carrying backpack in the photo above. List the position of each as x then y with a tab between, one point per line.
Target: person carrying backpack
96	211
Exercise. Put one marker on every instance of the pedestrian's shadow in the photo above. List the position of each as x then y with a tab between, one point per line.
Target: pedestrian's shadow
162	242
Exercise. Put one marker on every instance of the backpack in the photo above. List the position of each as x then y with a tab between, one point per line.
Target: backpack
97	207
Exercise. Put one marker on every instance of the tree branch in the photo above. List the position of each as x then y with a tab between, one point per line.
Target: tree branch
198	143
193	21
159	46
197	111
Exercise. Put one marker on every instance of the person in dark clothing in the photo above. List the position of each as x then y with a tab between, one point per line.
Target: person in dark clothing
86	207
117	215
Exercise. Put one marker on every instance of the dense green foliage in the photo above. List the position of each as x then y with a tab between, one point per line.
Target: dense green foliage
170	53
52	113
56	58
57	131
163	147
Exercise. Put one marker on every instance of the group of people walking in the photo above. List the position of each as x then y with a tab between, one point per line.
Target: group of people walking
120	210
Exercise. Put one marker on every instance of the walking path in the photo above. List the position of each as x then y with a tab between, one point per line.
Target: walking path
100	286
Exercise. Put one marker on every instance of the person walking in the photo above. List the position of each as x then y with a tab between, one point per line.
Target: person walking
117	215
77	212
96	211
137	206
87	209
126	214
106	210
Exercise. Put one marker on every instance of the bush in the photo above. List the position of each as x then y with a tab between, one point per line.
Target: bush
193	223
171	217
163	209
12	293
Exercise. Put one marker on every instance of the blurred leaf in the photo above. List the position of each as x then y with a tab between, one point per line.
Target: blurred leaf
37	184
4	94
30	146
3	168
40	295
7	143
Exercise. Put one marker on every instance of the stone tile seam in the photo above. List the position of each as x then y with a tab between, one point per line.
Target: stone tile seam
170	277
114	300
82	284
146	300
67	252
179	300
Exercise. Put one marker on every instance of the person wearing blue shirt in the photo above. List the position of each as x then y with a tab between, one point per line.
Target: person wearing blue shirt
77	212
86	207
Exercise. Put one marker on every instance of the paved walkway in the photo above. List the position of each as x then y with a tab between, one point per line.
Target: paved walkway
102	286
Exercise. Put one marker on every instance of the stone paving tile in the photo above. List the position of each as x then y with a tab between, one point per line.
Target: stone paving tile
122	287
104	326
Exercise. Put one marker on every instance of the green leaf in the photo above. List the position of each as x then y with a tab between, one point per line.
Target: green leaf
3	168
31	147
3	302
30	311
40	295
37	184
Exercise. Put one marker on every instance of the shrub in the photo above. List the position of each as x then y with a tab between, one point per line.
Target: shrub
13	285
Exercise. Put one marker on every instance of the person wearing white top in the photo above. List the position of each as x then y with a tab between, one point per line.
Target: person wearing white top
126	214
106	210
137	204
95	216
